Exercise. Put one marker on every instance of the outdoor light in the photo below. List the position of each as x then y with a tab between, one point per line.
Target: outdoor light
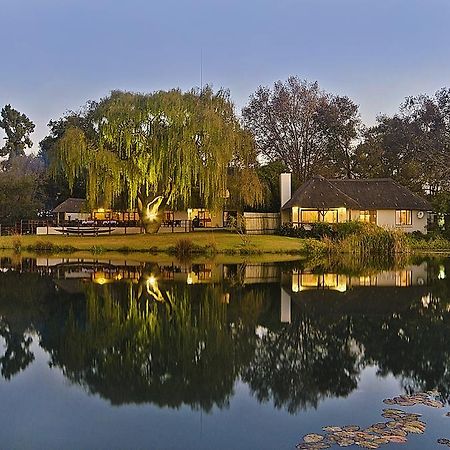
151	280
100	280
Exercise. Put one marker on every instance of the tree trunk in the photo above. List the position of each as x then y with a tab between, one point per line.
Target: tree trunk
151	212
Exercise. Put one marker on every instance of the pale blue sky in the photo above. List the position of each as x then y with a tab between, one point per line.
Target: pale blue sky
57	54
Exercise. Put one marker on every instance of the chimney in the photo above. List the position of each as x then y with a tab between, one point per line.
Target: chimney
285	187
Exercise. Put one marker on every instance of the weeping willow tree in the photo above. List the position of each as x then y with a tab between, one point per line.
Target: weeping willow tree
157	149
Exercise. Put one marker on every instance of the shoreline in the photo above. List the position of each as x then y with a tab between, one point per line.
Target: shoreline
198	243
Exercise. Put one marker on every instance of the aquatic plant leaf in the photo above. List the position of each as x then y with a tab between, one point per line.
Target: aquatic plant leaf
312	438
367	444
331	429
351	428
396	439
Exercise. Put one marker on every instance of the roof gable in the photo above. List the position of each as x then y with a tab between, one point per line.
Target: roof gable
320	193
381	193
378	193
71	205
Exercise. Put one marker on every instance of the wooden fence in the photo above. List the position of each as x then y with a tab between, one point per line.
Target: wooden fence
261	223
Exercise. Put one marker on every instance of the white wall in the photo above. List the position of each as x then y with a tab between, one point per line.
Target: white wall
386	218
285	187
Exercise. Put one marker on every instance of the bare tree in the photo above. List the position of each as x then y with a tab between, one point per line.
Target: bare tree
307	129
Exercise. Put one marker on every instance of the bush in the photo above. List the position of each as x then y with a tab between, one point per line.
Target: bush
372	240
184	248
48	247
344	229
321	230
314	247
17	244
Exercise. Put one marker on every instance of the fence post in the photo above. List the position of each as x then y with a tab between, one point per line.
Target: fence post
21	230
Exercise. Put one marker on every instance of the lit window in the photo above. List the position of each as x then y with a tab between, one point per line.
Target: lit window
309	216
403	278
369	216
403	217
330	216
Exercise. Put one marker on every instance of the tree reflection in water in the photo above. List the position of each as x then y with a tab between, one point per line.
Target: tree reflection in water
303	362
132	345
174	344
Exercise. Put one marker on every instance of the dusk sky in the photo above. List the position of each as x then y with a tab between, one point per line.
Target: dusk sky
57	54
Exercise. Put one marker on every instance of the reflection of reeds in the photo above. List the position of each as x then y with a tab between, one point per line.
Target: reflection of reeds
357	265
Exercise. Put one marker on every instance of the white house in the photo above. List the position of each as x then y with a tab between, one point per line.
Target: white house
381	201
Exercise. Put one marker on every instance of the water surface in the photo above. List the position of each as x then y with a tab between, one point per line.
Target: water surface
105	354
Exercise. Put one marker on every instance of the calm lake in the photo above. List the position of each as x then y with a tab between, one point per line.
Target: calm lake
98	354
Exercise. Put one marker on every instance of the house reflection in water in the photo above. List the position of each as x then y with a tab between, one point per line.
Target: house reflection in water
409	276
374	292
371	291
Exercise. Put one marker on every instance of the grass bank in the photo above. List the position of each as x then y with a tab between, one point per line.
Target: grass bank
429	244
200	242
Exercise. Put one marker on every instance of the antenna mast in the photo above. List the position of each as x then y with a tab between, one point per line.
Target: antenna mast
201	70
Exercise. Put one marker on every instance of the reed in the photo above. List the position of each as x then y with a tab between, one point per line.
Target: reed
372	241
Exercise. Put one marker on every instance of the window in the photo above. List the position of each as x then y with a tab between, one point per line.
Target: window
309	216
369	216
295	217
403	217
330	216
314	215
403	278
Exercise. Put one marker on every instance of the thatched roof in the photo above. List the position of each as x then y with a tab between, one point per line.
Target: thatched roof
71	205
320	193
379	193
382	193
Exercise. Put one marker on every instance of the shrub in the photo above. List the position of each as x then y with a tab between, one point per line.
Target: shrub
373	240
48	247
344	229
97	249
289	230
184	248
17	244
314	247
321	229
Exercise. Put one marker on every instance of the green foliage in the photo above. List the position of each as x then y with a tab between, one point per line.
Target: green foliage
413	146
165	143
21	196
17	244
374	240
18	128
48	248
315	247
318	230
356	238
184	248
432	243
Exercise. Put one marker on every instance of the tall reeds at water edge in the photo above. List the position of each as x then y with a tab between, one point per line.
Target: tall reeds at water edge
371	241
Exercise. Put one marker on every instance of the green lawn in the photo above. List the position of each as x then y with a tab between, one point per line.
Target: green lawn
221	242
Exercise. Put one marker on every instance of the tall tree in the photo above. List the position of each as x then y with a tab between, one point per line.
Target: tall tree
20	190
55	185
157	149
341	123
304	127
413	146
18	128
